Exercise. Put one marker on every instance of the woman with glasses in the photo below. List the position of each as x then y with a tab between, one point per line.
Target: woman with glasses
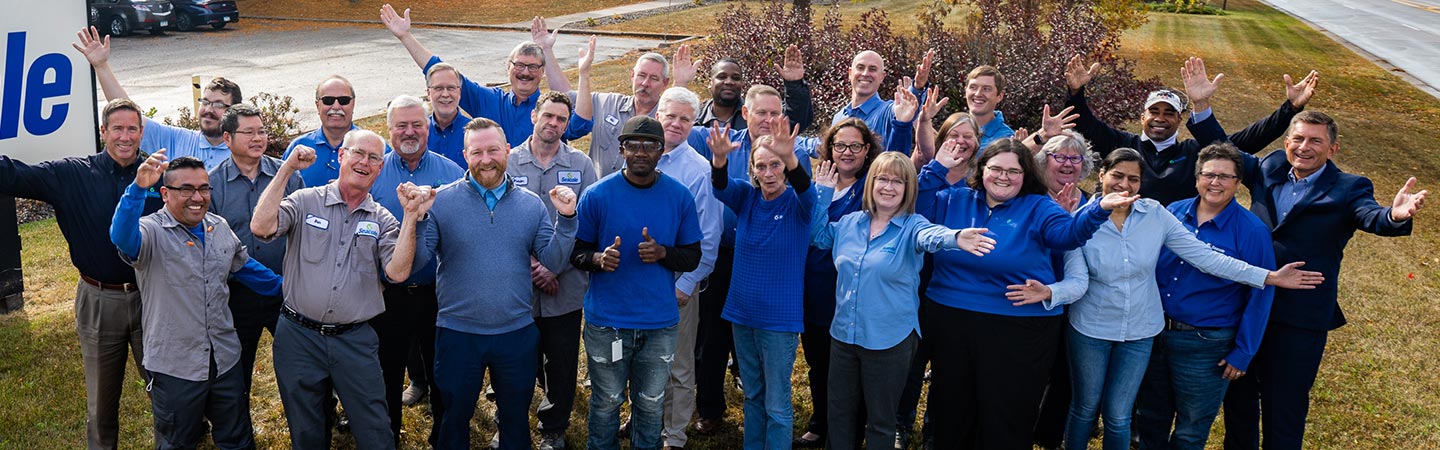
1113	324
987	382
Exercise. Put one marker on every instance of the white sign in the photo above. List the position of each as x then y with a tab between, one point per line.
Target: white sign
47	98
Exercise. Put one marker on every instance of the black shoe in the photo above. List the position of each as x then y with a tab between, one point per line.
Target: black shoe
801	442
902	439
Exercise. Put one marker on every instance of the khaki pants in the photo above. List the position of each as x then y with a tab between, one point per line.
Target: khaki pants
108	324
680	391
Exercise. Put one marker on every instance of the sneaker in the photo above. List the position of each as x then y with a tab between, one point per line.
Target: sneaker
902	439
552	442
414	394
495	441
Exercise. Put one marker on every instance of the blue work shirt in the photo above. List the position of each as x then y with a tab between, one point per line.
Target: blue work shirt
179	142
449	141
877	304
327	158
879	115
434	171
496	104
1203	300
995	130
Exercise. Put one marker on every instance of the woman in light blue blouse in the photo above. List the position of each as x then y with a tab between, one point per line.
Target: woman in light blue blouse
1118	312
877	252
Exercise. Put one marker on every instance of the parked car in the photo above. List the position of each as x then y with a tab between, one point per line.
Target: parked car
120	17
193	13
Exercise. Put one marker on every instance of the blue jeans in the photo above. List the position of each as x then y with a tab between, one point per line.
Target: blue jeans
766	359
643	365
1109	371
1185	386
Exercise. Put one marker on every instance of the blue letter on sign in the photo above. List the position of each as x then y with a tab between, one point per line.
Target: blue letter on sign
35	91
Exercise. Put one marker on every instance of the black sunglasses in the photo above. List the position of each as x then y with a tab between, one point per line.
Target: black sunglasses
330	100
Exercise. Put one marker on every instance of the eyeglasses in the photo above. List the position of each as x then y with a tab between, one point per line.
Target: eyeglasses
252	134
526	67
445	88
640	145
997	171
204	103
855	148
330	100
1062	159
189	191
374	159
882	181
1223	177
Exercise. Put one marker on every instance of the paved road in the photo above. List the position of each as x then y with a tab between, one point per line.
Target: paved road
156	70
1402	33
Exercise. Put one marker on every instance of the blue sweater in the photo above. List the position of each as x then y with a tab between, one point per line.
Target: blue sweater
483	279
771	240
1026	229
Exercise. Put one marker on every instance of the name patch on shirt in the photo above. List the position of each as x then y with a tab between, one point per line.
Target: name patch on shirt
611	120
368	228
521	180
569	177
317	222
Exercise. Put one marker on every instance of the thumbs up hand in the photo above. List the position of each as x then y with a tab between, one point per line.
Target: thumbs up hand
650	251
609	259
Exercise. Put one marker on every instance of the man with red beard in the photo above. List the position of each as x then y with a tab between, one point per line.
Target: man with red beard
727	93
207	144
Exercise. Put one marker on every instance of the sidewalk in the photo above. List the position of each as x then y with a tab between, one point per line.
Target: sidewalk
552	23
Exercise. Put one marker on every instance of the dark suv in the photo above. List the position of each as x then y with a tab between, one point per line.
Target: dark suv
193	13
120	17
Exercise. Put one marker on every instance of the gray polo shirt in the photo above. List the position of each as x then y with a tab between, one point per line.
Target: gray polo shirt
186	313
611	110
234	197
569	168
335	257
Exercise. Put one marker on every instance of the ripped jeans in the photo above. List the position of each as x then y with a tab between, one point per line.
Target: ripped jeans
643	365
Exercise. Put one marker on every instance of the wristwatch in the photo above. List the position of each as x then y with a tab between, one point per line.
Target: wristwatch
1036	139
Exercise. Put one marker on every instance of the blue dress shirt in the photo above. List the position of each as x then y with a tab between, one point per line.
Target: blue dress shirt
433	170
179	142
880	117
1291	192
449	141
327	158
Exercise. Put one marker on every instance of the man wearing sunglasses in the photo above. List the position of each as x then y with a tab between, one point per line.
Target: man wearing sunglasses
335	103
206	144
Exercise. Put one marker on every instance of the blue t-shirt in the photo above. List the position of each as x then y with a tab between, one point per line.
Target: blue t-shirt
636	295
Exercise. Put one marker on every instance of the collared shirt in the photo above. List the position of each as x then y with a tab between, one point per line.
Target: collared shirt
611	110
1291	192
326	167
449	141
84	192
570	168
1160	146
692	170
500	105
798	108
1203	300
876	304
335	256
234	196
491	196
433	171
879	115
995	130
179	142
1122	302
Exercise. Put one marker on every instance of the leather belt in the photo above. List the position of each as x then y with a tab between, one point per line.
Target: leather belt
123	287
1175	325
325	329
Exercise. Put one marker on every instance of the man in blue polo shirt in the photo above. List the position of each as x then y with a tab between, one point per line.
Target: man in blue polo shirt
206	144
510	108
651	230
866	75
984	90
447	125
410	304
335	103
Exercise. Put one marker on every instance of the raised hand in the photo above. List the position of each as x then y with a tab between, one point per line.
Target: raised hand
826	175
1299	93
720	144
922	73
933	105
1407	204
1068	197
650	251
1198	85
399	25
949	155
95	48
1030	292
1077	76
609	259
587	56
683	69
1023	136
905	104
564	200
975	241
151	169
1051	126
793	67
300	158
1291	277
1117	200
546	39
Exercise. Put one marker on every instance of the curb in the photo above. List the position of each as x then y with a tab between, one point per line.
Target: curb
667	37
1383	63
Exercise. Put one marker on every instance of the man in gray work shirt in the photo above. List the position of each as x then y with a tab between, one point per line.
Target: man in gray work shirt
339	240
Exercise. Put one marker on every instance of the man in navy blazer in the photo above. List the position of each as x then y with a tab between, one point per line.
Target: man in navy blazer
1312	209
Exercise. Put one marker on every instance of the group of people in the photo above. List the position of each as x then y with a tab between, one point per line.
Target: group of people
476	240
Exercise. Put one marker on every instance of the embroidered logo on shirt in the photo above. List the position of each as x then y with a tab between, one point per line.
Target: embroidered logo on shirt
368	228
779	216
569	177
521	180
317	222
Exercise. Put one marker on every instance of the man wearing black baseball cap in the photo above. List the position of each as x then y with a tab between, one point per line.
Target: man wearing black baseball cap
650	224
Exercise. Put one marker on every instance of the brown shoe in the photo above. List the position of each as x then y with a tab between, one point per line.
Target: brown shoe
708	426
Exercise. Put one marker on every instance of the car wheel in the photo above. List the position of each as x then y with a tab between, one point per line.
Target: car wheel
184	22
218	25
119	26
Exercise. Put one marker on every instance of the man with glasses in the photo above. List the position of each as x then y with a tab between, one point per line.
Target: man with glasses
208	143
651	232
84	192
447	125
335	103
236	186
510	108
183	256
339	241
727	93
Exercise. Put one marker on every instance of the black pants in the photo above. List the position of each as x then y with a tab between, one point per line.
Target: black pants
714	340
409	314
987	382
1278	384
559	368
816	342
253	313
182	408
1055	408
910	398
865	390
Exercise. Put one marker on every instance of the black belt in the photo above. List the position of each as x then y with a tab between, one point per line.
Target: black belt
1175	325
325	329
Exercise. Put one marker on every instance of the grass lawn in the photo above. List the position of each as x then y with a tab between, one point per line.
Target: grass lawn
448	11
1376	388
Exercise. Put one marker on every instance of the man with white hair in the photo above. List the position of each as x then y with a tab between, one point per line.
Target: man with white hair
410	305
